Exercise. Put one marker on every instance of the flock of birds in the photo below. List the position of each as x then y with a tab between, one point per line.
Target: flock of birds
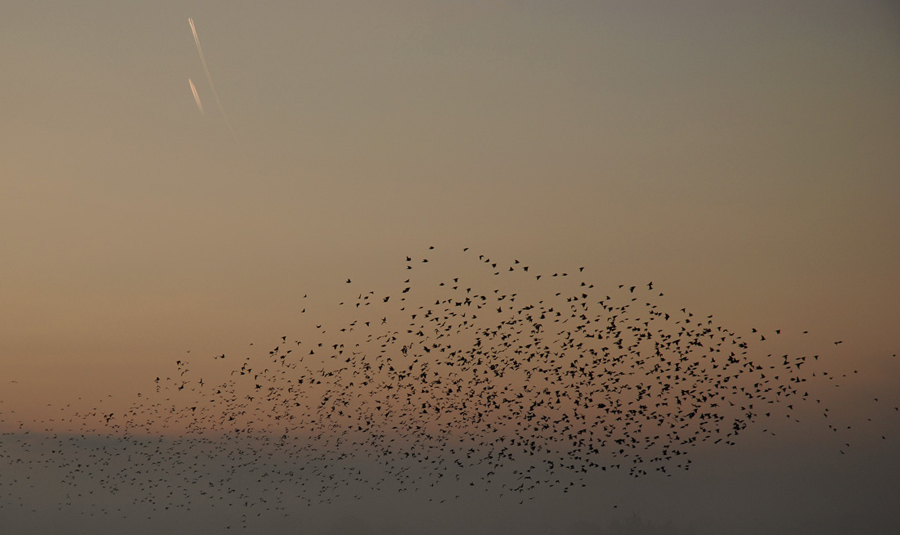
441	387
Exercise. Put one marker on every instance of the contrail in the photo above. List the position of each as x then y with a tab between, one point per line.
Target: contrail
196	96
212	86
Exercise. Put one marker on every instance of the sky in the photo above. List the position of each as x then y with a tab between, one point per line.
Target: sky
741	156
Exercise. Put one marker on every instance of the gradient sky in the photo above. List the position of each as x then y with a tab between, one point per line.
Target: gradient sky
741	155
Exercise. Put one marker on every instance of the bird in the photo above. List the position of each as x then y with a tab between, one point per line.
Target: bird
510	385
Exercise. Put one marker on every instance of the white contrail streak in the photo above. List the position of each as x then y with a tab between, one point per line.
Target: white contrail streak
196	96
212	86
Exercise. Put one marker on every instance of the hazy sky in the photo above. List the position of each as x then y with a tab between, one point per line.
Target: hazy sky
743	156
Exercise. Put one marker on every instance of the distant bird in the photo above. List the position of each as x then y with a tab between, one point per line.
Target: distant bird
563	382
